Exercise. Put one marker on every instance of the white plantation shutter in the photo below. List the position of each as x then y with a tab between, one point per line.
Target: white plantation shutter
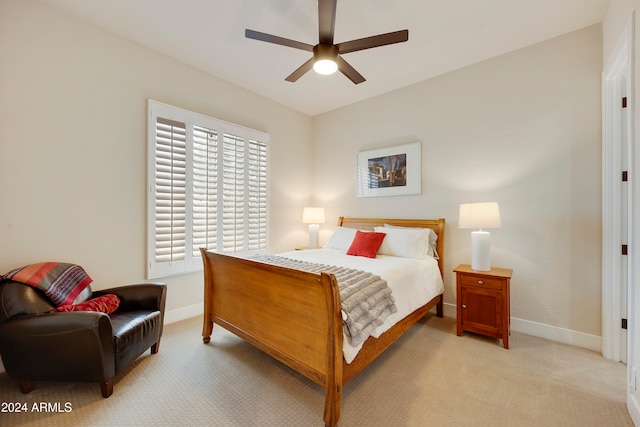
170	189
208	184
205	193
233	192
257	200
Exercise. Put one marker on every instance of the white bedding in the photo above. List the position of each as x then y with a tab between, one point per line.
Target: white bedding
413	282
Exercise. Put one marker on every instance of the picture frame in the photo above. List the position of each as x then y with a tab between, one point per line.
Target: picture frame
390	171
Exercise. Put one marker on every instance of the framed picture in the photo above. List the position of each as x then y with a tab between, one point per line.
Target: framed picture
392	171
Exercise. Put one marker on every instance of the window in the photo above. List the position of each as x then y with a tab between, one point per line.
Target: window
207	188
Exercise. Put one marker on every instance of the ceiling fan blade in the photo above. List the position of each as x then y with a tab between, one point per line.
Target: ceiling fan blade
264	37
300	71
351	73
326	20
373	41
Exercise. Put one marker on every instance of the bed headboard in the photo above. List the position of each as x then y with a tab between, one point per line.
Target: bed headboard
436	225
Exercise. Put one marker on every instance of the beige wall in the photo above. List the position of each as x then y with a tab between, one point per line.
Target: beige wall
73	146
522	129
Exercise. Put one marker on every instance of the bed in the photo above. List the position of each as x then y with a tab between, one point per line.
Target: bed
295	316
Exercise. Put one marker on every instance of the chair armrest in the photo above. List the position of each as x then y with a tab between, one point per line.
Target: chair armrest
57	345
51	325
145	296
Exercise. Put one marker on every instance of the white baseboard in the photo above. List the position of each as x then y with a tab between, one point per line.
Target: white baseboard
183	313
541	330
554	333
449	310
634	409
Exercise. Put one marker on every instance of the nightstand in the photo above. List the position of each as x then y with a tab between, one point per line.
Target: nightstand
483	303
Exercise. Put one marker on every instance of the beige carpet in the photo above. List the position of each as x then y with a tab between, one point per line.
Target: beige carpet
430	377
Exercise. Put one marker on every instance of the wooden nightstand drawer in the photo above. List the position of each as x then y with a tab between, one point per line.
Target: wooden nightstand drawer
484	282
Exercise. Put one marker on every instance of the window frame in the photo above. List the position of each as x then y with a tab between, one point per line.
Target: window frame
192	261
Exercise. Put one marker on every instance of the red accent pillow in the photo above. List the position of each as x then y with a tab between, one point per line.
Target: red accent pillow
107	303
366	244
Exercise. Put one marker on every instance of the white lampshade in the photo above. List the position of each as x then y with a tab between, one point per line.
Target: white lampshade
313	215
480	215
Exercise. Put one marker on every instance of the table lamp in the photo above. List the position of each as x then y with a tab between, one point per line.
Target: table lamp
314	217
480	216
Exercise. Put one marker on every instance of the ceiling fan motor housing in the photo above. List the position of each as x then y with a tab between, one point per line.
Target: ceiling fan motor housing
325	51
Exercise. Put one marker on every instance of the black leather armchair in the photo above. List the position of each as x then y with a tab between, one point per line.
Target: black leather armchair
83	346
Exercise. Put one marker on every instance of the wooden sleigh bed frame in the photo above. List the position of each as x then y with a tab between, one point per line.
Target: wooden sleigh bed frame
304	329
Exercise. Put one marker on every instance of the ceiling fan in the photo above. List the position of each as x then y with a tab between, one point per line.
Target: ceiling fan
326	55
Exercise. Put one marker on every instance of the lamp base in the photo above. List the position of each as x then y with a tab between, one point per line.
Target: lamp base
480	250
314	230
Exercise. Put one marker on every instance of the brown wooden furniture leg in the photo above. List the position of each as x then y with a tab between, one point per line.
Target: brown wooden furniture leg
107	388
207	329
207	323
334	379
26	386
332	405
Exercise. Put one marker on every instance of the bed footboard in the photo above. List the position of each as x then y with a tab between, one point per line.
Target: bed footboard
292	315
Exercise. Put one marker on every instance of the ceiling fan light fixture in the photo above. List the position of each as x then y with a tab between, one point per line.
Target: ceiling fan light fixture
325	66
325	59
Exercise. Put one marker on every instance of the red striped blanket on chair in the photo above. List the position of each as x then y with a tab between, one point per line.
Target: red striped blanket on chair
61	282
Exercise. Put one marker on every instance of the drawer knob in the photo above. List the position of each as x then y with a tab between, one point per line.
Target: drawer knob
464	305
480	282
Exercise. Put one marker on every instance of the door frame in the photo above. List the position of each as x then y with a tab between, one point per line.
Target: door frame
617	78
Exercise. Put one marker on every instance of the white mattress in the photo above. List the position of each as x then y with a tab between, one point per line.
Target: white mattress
413	282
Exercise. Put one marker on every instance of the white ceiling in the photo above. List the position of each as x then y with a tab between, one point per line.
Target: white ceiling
443	35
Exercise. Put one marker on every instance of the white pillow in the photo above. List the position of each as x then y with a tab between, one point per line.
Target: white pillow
433	239
341	238
404	242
